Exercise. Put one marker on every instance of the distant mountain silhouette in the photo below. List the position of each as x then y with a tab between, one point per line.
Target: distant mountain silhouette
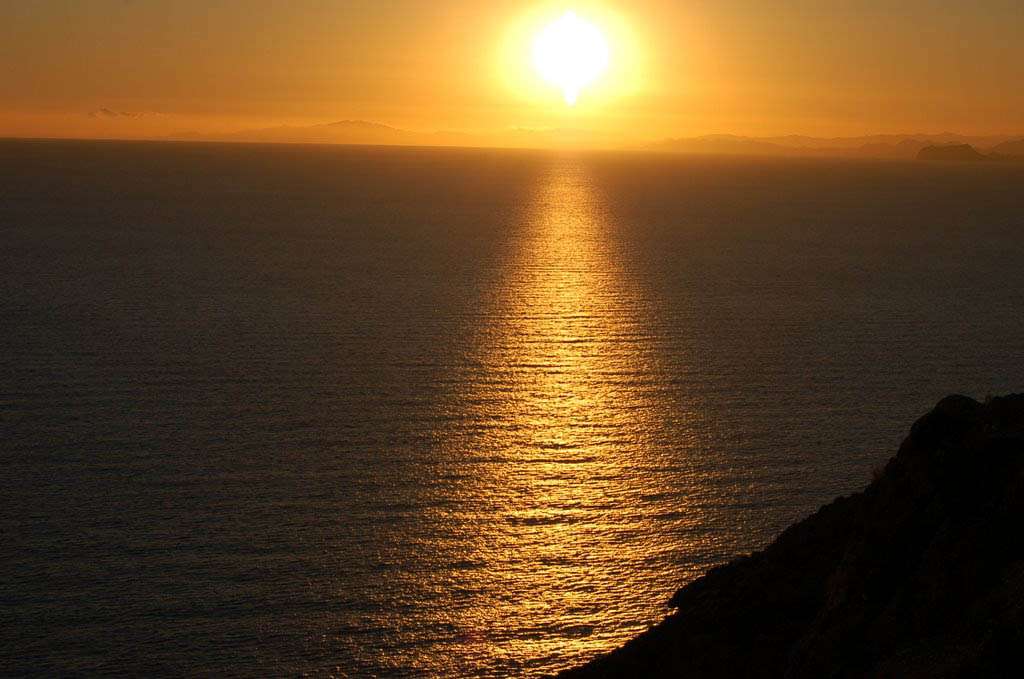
907	148
920	575
957	152
875	146
340	132
373	133
727	144
894	147
1009	149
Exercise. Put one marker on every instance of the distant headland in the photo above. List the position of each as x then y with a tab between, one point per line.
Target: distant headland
958	152
1011	150
894	147
919	575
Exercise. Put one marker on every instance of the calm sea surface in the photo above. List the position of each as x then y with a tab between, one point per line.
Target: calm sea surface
353	411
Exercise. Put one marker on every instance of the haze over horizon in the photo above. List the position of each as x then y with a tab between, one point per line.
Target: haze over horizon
143	70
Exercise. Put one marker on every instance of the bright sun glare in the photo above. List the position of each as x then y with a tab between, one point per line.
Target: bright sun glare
570	53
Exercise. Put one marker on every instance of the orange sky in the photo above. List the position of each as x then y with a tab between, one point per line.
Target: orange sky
824	68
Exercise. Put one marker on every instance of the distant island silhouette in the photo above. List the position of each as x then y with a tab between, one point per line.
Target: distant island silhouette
958	152
919	575
893	147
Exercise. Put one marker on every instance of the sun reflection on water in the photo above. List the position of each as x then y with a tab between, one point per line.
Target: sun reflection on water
558	479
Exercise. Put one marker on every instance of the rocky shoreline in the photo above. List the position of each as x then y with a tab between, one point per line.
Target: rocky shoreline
919	575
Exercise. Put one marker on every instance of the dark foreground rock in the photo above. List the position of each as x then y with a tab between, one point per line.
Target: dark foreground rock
919	575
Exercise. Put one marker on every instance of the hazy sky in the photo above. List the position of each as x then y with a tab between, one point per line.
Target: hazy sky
821	67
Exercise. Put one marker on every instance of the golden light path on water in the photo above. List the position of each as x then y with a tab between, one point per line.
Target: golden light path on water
571	461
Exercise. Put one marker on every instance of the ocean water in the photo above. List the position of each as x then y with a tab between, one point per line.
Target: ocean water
407	412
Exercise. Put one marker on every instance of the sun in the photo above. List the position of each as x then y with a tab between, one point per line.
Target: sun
570	54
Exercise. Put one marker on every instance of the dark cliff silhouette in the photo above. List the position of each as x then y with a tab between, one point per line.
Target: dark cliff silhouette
919	575
958	152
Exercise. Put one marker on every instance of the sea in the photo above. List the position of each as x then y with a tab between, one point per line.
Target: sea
410	412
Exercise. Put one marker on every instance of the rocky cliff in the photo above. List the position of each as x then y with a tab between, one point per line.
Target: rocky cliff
919	575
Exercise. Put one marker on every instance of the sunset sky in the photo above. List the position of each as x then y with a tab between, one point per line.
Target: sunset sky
818	67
